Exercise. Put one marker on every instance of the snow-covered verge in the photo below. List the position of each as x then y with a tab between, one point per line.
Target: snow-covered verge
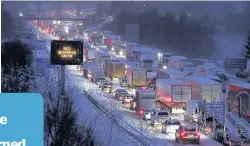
104	127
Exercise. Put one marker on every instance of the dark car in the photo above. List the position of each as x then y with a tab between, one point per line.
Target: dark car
170	126
106	85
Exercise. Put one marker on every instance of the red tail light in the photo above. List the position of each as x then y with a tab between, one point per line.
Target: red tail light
182	133
109	42
141	112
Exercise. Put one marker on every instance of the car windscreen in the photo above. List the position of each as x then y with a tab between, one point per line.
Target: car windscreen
173	122
189	129
129	97
124	93
162	114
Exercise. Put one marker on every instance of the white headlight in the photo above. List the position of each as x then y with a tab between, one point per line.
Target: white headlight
159	54
121	53
112	48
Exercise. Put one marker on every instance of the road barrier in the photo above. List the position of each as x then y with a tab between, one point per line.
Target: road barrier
114	119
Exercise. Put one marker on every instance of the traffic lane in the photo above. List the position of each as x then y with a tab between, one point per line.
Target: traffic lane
204	140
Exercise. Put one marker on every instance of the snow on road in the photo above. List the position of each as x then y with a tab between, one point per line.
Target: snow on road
131	120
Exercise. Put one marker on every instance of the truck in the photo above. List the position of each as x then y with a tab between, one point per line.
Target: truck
175	61
163	59
115	69
101	56
92	71
135	54
169	73
187	66
106	64
212	70
136	77
173	94
147	62
119	48
144	100
88	52
129	47
205	88
210	114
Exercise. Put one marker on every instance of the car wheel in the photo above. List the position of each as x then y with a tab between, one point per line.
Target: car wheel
176	139
198	142
164	130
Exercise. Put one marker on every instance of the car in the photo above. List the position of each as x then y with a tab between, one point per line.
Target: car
187	133
159	117
148	113
122	95
170	126
100	80
127	98
123	83
119	91
106	84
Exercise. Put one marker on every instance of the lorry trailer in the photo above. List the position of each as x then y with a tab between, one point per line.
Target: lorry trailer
144	100
136	77
205	88
173	94
169	73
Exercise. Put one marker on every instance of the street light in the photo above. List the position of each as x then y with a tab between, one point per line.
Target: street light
21	14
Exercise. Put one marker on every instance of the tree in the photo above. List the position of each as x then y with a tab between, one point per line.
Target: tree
247	47
17	71
15	53
17	80
61	126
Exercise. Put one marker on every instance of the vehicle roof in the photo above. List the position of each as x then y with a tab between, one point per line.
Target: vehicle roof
151	74
135	68
121	90
178	57
173	120
173	81
161	110
202	80
148	90
190	125
172	71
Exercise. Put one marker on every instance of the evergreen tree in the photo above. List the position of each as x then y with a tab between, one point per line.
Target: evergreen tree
247	47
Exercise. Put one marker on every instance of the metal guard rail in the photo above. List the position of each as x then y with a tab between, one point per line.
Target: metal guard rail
112	117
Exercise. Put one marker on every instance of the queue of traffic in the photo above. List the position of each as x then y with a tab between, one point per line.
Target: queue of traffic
179	85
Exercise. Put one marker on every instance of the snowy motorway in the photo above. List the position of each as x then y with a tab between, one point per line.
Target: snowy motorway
105	129
129	118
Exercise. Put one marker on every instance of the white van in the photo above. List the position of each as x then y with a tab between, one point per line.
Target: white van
192	111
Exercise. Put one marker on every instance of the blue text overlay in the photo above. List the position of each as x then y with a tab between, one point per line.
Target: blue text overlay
21	119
